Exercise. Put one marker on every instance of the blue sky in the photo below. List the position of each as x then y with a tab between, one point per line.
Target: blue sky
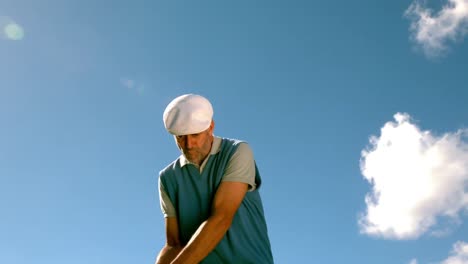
83	85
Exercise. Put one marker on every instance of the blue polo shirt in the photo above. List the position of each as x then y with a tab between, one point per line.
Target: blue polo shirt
191	192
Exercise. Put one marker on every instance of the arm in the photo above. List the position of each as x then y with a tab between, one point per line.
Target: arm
172	247
227	200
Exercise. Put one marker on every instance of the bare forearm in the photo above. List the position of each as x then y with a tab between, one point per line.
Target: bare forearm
205	239
168	254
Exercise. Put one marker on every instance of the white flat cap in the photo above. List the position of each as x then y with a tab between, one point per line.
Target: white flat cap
188	114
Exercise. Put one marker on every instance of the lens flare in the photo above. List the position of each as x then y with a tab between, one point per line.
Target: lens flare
14	31
10	30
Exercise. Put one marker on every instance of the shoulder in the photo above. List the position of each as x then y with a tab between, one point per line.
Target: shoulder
169	169
239	145
241	166
240	149
242	153
231	142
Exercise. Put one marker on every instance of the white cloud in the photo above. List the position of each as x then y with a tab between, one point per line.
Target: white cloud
413	261
459	254
433	31
416	178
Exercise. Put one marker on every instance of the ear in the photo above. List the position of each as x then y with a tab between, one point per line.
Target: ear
212	126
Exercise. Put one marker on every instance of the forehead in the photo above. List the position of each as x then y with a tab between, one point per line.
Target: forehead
190	135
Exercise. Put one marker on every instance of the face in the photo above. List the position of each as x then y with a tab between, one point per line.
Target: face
196	147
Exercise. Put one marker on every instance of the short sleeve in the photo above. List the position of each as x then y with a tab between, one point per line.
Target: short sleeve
241	167
167	207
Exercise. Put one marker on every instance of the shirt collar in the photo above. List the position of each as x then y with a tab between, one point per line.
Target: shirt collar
215	147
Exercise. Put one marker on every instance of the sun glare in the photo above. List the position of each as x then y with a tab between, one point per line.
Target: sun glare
13	31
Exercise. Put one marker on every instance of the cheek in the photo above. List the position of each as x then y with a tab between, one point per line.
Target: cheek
179	143
207	144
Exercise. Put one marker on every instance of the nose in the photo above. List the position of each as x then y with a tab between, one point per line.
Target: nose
189	142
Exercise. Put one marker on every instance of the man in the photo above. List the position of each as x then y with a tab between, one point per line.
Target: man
209	195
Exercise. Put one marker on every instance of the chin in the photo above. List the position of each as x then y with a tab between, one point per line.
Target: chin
192	160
